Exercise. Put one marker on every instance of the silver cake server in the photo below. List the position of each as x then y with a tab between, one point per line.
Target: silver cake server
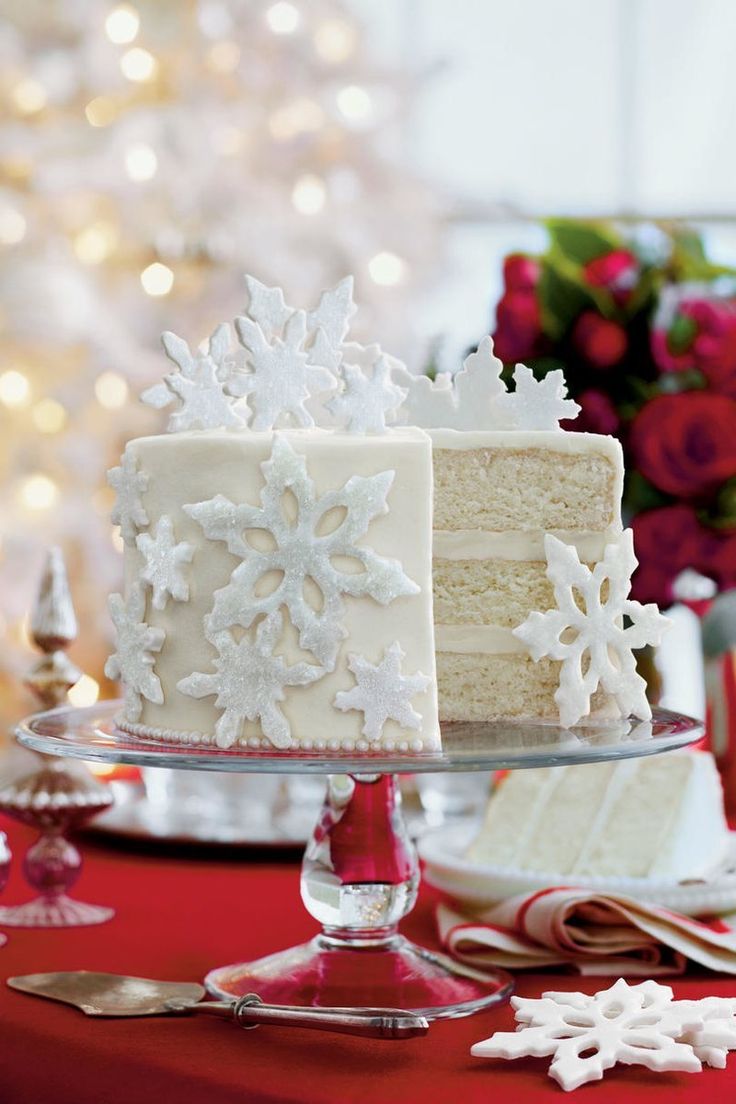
118	995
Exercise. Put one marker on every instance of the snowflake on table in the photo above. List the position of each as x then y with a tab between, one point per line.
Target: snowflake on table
593	634
250	682
637	1025
133	661
164	559
200	385
367	399
536	404
466	401
129	484
382	693
717	1036
281	377
300	553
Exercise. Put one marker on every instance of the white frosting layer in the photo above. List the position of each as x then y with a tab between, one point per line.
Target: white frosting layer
516	544
471	639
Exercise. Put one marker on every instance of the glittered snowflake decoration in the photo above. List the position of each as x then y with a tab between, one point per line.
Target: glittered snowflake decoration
465	401
163	563
133	661
635	1025
300	554
367	399
199	386
129	484
536	404
587	635
250	682
281	377
382	693
331	316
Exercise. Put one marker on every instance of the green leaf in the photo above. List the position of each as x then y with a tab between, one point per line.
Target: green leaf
563	296
582	241
640	494
681	333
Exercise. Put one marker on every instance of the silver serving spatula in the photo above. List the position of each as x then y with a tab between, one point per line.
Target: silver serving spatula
118	995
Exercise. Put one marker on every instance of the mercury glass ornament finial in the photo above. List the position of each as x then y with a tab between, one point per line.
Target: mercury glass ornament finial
53	629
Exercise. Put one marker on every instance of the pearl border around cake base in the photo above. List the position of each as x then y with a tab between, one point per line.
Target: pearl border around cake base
360	874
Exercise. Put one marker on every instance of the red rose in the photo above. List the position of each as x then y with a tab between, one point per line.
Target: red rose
714	345
665	359
518	326
597	414
666	541
685	444
601	342
520	273
618	271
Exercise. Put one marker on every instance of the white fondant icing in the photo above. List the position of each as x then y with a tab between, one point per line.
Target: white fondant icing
471	639
516	544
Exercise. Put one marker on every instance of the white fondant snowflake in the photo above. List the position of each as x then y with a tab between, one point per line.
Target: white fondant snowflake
636	1025
717	1036
300	553
250	682
129	484
367	399
132	662
465	401
332	315
199	385
593	634
382	693
281	377
164	559
536	404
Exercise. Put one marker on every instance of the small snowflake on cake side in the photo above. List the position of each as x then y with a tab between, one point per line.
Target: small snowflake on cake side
367	399
536	404
133	660
199	386
129	484
164	559
382	693
591	643
250	682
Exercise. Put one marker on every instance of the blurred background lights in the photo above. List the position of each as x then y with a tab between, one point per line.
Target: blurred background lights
282	18
49	416
157	279
138	64
335	40
224	56
100	111
12	225
227	140
15	390
354	103
298	117
140	162
29	96
386	269
122	24
308	194
111	390
95	243
38	492
85	692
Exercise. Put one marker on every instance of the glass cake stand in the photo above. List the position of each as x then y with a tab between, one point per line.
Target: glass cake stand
360	873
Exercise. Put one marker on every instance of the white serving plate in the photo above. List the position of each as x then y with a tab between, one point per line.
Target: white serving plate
481	886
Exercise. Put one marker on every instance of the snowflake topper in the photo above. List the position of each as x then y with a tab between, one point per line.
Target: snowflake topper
332	315
382	693
537	404
199	386
300	554
133	661
636	1025
593	635
163	563
250	682
281	377
367	399
129	484
464	401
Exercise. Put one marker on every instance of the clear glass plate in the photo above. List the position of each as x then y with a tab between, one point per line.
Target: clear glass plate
91	733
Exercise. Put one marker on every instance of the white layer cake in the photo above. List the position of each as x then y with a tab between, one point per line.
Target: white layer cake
185	469
658	817
496	494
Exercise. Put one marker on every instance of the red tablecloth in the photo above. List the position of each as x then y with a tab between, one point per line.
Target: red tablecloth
178	916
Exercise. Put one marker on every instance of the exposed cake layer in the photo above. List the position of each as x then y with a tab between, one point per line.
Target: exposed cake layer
186	469
489	592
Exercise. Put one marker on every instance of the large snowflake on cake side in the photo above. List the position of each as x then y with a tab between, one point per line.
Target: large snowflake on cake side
281	377
382	693
129	484
367	398
635	1025
586	630
250	682
301	553
133	660
536	404
199	385
164	558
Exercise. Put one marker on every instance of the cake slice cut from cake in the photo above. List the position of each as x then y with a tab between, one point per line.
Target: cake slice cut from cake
661	817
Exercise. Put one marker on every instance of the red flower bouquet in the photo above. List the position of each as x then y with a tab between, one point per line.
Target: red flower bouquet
644	327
